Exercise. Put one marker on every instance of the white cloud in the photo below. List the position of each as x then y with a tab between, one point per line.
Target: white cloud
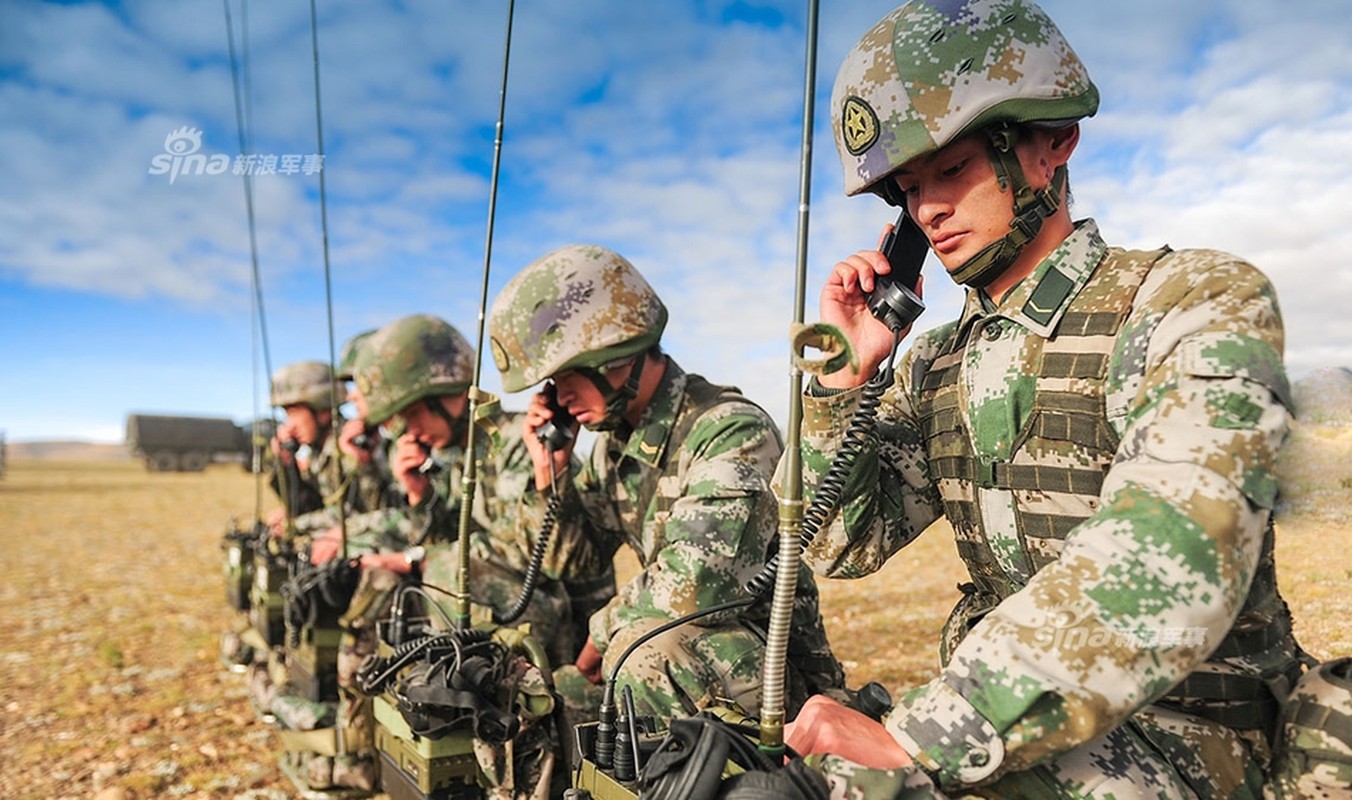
654	128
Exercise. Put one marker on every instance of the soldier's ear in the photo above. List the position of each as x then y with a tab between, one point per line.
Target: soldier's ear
1062	144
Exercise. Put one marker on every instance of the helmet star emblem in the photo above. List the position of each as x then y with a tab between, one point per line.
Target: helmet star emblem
858	125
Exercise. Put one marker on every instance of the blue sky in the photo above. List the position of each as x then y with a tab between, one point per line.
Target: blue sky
669	131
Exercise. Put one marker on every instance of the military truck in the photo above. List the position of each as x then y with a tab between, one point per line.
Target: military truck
186	444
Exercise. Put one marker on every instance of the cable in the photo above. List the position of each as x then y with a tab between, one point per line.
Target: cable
604	746
537	555
829	490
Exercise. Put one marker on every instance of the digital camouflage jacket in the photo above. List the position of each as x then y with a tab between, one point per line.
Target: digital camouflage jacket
303	490
1110	481
699	513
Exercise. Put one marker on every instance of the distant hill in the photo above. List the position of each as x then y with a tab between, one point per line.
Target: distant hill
66	451
1325	397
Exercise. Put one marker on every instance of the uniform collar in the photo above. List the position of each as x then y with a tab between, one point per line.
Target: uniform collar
647	443
1040	300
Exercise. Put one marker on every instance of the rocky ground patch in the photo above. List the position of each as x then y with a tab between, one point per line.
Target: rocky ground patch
112	606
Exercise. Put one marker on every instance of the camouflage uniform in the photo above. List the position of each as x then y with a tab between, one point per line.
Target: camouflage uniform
1103	442
699	513
321	489
1314	757
687	489
301	487
1089	599
364	488
368	486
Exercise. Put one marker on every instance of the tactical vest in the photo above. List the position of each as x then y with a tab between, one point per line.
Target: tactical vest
1056	469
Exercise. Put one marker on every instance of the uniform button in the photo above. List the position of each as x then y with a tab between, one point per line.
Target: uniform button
979	757
990	333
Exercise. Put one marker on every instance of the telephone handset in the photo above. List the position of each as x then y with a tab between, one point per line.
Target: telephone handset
893	299
558	431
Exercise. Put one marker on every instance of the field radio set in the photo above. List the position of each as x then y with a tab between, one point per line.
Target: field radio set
438	690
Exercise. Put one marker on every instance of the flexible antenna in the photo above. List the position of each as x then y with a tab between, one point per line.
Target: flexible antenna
470	474
259	331
328	290
791	494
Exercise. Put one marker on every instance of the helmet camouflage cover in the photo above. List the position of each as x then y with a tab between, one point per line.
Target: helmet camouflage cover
580	307
306	383
934	70
411	359
347	359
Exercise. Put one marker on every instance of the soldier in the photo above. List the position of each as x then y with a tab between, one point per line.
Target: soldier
680	472
306	391
1099	426
368	483
419	369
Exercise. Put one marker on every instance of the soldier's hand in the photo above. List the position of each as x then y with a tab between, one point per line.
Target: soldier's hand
286	433
351	430
276	522
538	413
324	546
825	726
844	303
589	662
394	562
408	456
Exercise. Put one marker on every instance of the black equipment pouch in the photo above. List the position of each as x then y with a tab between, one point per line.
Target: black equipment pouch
690	760
795	781
438	697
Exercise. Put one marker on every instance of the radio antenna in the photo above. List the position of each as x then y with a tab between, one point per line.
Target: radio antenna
259	332
328	287
470	474
791	494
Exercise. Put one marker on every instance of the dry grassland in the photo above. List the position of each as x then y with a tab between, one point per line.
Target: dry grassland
112	605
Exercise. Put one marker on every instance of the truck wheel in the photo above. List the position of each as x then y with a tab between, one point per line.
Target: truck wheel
193	461
163	461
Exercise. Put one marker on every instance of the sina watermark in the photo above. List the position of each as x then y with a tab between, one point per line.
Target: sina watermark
1068	630
181	157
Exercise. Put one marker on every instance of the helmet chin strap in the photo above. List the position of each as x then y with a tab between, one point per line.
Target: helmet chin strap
1031	207
457	425
617	400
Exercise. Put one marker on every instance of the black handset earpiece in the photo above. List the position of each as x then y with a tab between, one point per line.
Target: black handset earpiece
893	299
558	431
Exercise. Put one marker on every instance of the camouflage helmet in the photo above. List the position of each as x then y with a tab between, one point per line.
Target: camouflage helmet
347	357
933	71
306	383
411	359
580	307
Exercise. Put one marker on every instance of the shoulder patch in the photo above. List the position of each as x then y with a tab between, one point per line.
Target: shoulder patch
1050	293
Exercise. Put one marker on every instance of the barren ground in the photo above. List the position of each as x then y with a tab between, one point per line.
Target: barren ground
112	605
